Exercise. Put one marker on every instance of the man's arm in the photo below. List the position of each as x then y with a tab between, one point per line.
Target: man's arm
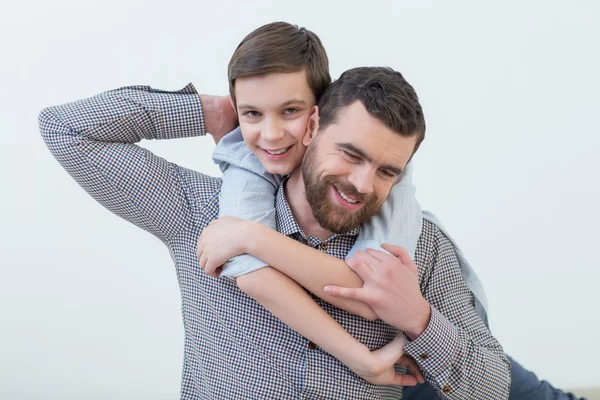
93	139
452	345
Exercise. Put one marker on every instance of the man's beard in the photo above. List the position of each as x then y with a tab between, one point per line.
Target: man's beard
331	216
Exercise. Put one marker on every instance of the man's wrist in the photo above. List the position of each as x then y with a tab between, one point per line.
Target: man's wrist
219	116
422	322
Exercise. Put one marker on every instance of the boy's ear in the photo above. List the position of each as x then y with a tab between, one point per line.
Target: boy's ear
312	127
232	104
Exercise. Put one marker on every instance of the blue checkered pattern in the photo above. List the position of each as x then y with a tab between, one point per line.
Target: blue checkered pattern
234	348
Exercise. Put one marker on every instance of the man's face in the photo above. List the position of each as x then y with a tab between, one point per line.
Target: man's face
274	111
350	167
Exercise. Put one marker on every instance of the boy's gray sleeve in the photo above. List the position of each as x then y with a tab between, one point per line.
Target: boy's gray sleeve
248	192
398	222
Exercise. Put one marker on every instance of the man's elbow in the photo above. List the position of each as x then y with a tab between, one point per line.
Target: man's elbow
52	129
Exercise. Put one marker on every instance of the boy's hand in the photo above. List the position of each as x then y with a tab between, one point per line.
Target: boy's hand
222	239
378	366
219	116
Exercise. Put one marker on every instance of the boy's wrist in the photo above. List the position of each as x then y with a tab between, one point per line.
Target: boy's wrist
363	362
251	231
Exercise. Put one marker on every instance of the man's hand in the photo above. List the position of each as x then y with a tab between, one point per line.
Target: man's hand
219	116
391	289
222	239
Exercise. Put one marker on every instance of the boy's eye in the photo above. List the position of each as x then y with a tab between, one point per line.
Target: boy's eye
252	114
290	111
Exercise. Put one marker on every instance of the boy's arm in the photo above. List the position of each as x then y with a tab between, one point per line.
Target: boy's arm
94	140
247	192
227	237
287	301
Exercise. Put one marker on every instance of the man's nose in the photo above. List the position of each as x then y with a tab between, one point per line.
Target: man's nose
272	131
363	178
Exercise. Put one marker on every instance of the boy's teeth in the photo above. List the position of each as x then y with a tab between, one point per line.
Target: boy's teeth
278	151
348	199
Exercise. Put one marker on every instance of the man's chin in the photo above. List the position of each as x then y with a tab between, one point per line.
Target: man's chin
339	222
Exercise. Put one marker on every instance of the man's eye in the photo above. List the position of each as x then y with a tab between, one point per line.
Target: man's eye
252	114
290	111
351	156
387	173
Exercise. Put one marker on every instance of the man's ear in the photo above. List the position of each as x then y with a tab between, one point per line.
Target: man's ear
312	127
233	105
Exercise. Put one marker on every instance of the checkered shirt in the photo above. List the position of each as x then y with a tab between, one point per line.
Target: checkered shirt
234	348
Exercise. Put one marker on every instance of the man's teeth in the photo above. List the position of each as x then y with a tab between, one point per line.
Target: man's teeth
281	151
348	199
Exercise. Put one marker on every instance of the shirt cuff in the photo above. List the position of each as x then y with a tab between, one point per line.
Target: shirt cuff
242	265
434	350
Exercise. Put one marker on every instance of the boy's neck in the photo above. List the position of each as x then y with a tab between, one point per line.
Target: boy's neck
295	194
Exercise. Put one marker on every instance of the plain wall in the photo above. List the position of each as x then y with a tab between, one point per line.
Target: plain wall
89	304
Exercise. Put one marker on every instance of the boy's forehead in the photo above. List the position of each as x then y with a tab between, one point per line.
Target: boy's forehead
274	88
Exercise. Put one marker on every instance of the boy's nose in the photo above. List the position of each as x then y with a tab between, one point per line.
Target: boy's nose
272	131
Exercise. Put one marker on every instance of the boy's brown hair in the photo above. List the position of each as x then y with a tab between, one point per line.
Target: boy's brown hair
281	47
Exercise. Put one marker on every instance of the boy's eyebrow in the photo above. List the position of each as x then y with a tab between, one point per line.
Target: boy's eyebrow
246	106
354	149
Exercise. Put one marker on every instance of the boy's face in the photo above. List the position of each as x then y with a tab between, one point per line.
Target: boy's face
274	111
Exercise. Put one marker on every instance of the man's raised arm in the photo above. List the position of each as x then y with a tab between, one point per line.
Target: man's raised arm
94	140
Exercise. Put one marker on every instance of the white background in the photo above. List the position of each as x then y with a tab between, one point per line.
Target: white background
90	304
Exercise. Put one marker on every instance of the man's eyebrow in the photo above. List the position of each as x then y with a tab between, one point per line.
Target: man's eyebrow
354	149
247	106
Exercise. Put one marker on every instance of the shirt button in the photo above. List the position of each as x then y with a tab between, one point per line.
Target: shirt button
323	246
311	346
446	389
424	356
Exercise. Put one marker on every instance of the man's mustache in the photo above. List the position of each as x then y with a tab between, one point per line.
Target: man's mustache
350	190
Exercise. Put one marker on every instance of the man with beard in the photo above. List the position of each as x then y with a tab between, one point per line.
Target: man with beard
233	347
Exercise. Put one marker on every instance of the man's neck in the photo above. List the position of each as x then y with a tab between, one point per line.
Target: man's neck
296	197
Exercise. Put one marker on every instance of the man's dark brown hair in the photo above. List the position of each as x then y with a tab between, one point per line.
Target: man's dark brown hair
384	93
281	47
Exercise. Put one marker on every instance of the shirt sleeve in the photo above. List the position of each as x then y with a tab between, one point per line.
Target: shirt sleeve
457	353
94	140
248	196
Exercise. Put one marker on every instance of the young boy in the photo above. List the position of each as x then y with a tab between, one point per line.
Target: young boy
276	76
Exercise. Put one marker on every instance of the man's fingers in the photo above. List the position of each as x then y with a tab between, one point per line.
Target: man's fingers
394	250
343	292
376	254
402	255
358	265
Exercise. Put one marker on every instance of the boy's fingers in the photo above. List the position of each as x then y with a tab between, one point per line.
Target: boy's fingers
412	367
404	380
